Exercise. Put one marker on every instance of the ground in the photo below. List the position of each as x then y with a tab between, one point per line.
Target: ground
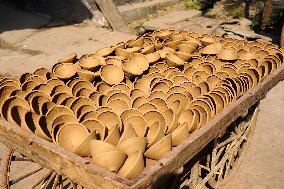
262	167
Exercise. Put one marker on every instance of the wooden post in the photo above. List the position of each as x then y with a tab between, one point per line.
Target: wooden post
282	37
111	13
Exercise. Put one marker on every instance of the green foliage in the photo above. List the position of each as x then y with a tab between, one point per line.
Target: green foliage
192	4
255	22
237	12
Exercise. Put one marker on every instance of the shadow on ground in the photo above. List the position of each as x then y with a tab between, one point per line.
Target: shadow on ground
32	14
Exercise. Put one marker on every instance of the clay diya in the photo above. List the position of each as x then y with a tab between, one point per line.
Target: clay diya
133	165
173	60
112	74
112	160
137	122
160	148
180	134
65	71
90	63
70	136
70	58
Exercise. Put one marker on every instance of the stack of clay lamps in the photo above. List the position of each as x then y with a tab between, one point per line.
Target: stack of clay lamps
138	99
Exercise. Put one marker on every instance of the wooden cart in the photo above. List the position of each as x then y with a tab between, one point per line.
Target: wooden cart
186	156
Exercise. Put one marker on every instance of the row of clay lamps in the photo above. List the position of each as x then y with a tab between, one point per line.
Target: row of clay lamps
137	99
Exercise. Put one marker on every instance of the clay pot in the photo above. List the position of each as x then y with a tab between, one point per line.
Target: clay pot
189	117
45	74
146	107
36	78
161	86
163	34
174	61
123	87
90	63
180	134
111	161
177	37
121	96
133	145
71	136
178	80
185	48
159	149
120	52
148	49
213	80
131	69
137	42
118	106
113	136
55	112
65	71
107	155
17	114
70	58
206	40
227	54
61	89
160	104
139	101
128	133
14	81
137	121
9	103
155	133
80	102
171	120
133	166
104	51
29	86
129	113
161	66
153	57
55	82
177	102
109	119
112	74
87	75
81	85
183	55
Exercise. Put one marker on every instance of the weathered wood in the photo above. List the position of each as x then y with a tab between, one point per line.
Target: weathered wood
112	15
197	141
85	173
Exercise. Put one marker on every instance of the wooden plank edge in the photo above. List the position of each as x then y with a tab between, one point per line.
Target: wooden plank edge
51	156
198	140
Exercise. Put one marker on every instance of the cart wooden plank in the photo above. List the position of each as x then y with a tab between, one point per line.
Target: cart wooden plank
113	16
89	175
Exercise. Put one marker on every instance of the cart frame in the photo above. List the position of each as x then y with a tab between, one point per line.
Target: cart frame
89	175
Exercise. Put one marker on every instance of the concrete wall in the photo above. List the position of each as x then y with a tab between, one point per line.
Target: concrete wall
122	2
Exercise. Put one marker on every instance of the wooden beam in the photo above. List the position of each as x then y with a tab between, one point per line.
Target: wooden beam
112	15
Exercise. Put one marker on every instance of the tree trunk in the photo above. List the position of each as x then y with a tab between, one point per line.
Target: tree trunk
267	13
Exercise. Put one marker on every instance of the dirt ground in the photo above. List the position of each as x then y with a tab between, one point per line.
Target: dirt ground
261	168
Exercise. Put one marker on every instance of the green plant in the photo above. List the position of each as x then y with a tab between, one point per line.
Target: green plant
237	12
192	4
254	22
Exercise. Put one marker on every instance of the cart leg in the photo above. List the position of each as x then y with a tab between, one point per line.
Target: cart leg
5	168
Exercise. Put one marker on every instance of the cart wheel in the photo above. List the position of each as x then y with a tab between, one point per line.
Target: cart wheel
17	171
228	151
